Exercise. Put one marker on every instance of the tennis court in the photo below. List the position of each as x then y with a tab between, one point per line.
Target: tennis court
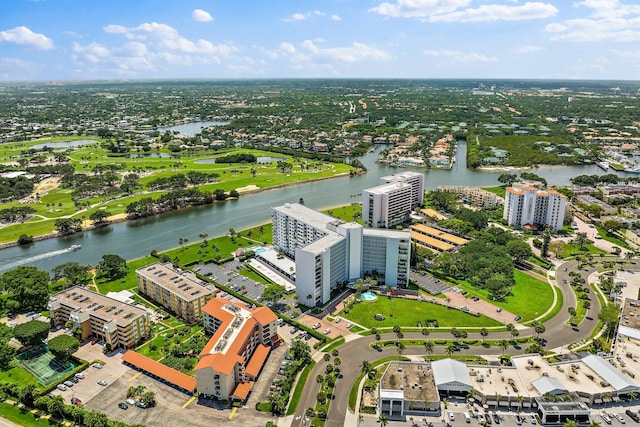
42	365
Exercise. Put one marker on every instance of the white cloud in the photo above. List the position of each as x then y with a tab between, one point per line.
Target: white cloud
630	54
609	20
458	11
25	37
298	16
336	18
354	53
418	8
459	56
200	15
530	49
499	12
167	38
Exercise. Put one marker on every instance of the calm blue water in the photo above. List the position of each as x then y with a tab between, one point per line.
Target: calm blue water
65	144
190	129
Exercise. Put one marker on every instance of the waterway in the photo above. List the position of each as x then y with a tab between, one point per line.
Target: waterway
133	239
190	129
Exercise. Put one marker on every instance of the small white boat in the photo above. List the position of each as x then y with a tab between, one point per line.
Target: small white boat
75	247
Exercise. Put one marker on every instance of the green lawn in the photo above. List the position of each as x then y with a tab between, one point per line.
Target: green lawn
127	282
346	212
22	418
18	375
612	238
531	297
571	250
408	313
498	190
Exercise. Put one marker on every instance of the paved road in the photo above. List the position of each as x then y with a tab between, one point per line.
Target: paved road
558	334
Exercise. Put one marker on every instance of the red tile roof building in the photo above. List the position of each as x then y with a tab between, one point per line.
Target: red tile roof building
235	354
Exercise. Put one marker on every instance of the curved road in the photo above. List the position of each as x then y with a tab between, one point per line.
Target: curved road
352	353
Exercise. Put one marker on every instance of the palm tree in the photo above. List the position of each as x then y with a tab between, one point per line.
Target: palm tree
428	347
520	400
570	423
400	347
594	423
633	395
365	367
451	349
503	345
383	420
484	332
425	332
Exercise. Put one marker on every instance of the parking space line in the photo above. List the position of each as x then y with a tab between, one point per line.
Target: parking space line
135	376
189	402
233	412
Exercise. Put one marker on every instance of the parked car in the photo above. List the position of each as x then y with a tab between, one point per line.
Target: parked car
496	418
94	341
102	382
327	331
130	401
316	325
517	318
532	419
68	383
74	380
142	405
75	401
123	405
61	387
619	418
635	417
487	418
605	418
79	376
97	365
452	417
519	419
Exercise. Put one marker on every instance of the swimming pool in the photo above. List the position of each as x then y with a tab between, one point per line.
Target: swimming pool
369	296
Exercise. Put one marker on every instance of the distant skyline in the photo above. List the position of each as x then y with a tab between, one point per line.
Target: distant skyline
158	39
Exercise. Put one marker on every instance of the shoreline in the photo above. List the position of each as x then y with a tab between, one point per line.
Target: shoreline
118	219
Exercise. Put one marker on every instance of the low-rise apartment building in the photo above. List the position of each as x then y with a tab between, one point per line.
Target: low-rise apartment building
234	356
118	324
177	291
435	239
475	196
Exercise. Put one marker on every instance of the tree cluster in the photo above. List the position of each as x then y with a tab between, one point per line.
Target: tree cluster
16	214
15	188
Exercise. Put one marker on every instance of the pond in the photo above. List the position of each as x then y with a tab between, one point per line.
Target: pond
65	144
267	159
145	155
190	129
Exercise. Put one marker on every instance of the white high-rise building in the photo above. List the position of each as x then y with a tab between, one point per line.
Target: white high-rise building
391	202
328	251
530	206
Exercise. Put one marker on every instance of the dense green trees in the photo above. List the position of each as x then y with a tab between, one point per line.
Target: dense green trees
32	332
112	266
72	272
28	286
63	346
273	292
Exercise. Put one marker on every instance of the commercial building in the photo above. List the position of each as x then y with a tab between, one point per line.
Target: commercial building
118	324
327	251
179	292
530	207
408	388
391	202
233	358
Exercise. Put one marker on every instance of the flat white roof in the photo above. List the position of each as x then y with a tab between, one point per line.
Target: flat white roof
387	188
307	215
391	394
383	232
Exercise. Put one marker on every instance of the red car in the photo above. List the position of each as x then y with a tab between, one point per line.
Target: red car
75	401
93	341
244	292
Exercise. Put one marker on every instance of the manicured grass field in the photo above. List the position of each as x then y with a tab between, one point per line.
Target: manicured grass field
572	250
19	376
531	297
407	312
22	418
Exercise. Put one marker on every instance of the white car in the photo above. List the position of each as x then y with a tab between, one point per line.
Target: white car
97	365
61	387
605	418
451	416
327	331
79	376
130	401
619	418
102	382
532	419
316	326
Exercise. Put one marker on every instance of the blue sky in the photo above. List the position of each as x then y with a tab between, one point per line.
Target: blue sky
145	39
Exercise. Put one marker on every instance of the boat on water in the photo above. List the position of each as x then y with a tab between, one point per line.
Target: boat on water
635	169
604	165
75	247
